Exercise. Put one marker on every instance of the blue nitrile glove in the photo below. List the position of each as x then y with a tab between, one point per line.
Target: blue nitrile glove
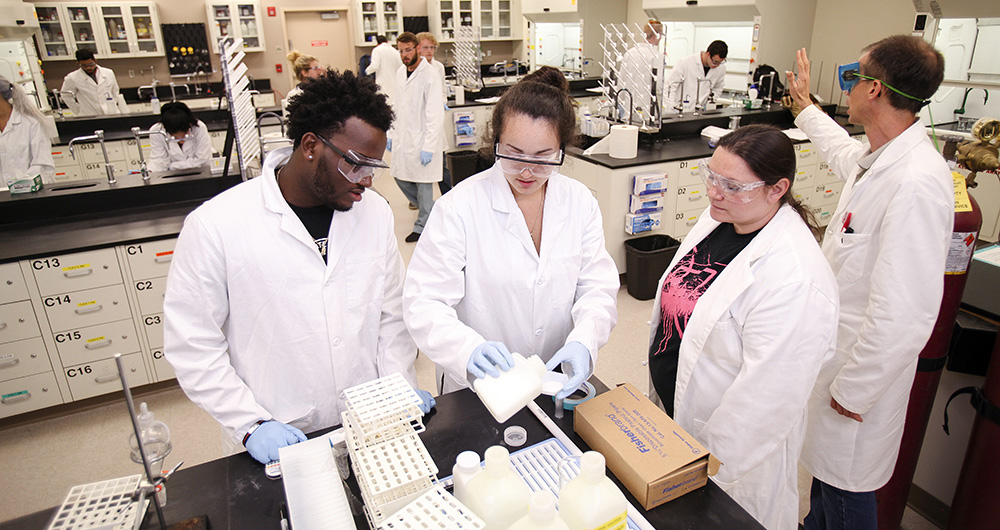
272	435
446	107
578	357
428	401
425	158
388	144
486	357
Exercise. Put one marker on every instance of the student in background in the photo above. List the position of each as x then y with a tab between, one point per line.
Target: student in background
24	147
188	146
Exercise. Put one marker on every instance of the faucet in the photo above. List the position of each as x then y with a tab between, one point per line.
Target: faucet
770	87
583	62
502	65
151	88
260	137
697	97
174	87
678	103
59	102
137	133
197	88
99	136
631	105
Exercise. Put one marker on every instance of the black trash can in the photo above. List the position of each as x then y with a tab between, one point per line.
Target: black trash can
461	164
645	260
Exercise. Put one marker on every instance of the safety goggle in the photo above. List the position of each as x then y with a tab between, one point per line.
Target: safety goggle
538	166
849	76
731	190
355	166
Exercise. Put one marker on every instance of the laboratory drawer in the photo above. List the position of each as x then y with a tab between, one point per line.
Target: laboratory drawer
691	197
74	272
824	213
62	158
162	368
18	321
22	358
683	221
67	173
803	195
153	325
29	393
825	194
12	287
96	342
689	173
100	377
806	155
91	152
805	178
150	294
825	175
150	259
87	308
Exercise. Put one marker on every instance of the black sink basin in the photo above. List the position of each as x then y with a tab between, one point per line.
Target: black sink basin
184	174
74	186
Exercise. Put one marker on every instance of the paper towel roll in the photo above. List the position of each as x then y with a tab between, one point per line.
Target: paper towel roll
624	141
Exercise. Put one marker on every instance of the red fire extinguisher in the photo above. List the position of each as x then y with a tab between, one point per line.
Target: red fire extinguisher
891	498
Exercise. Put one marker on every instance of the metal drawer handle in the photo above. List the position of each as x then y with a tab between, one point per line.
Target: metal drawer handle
106	379
88	309
3	325
691	222
693	198
828	194
99	344
804	155
16	399
78	272
825	214
163	259
10	362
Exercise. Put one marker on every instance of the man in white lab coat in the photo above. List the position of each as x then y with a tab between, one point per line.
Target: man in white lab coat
385	62
95	89
427	48
415	138
887	245
698	75
287	289
641	65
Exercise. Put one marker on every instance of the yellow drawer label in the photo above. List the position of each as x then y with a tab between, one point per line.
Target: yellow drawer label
81	304
96	339
76	267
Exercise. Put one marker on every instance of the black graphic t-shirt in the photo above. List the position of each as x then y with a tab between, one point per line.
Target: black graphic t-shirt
317	221
682	288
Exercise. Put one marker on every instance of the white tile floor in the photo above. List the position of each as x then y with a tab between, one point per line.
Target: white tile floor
41	460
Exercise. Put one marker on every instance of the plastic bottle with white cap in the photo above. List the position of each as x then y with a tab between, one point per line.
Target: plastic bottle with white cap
591	500
498	495
513	389
542	514
466	467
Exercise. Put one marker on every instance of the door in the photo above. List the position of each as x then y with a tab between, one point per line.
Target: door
326	38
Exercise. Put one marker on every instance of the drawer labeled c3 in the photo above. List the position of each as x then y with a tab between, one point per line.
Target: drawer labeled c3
12	286
17	321
25	394
98	342
24	357
74	272
87	308
100	377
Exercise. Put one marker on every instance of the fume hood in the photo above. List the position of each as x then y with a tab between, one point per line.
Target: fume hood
17	20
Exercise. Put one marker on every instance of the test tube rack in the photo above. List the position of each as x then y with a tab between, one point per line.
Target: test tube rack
434	509
467	58
105	505
618	39
394	471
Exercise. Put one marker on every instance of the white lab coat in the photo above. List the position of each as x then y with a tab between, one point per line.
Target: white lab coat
890	273
25	148
164	155
749	359
693	73
419	109
94	98
637	65
439	68
258	327
385	63
475	275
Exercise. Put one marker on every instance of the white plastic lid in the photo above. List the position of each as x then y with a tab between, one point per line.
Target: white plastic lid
542	507
592	465
467	461
497	459
515	436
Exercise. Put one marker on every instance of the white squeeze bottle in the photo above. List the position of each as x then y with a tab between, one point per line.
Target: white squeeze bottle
498	495
509	393
591	500
542	514
466	467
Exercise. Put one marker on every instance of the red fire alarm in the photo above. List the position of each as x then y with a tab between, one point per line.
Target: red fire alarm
271	11
277	68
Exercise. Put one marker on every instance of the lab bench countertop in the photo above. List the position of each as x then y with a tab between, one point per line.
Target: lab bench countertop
234	493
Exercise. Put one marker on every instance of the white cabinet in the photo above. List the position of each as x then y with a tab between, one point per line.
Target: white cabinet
125	29
499	20
496	19
377	17
238	20
548	6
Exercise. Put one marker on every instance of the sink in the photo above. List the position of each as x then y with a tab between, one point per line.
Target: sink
74	186
184	174
710	112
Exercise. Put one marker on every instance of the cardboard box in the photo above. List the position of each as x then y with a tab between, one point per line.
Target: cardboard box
648	452
647	203
636	223
651	182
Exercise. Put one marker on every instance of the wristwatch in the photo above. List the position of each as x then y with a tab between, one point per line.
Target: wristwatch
251	430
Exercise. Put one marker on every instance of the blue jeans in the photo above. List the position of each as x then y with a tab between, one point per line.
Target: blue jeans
832	508
421	194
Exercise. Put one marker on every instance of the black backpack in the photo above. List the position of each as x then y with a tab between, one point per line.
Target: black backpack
777	90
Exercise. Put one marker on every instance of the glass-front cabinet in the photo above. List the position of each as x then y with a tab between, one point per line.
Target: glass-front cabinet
497	19
237	20
126	29
377	17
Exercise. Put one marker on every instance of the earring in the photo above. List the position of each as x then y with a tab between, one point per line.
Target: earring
309	157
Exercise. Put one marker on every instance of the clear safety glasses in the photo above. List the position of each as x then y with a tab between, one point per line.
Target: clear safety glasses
354	166
731	190
538	166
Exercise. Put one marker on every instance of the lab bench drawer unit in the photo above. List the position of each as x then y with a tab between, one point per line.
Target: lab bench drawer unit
94	343
101	377
26	394
74	272
80	309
